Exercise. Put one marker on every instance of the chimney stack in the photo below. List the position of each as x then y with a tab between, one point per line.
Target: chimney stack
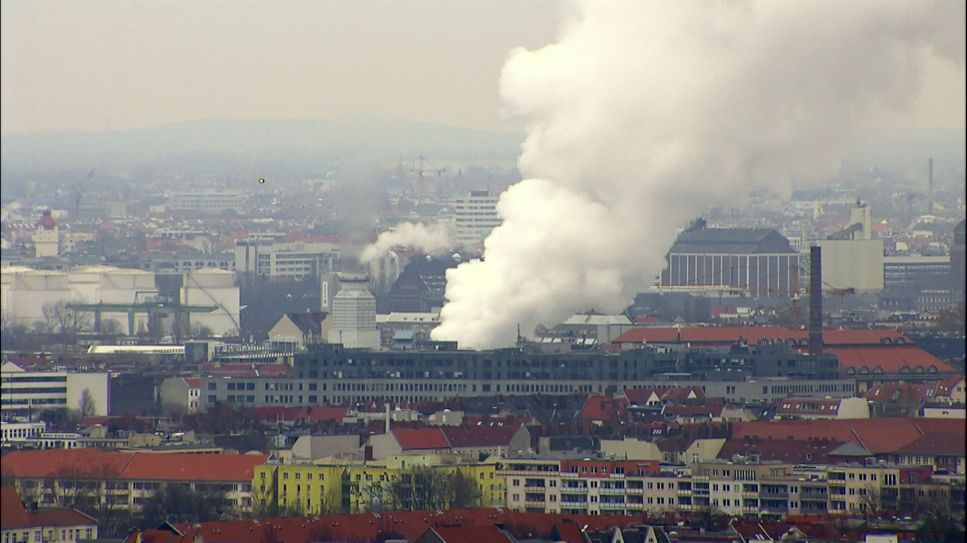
387	419
930	186
815	300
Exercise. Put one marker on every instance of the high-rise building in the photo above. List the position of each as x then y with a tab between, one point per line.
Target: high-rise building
354	314
475	215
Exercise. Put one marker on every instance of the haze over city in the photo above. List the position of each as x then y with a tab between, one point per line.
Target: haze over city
432	271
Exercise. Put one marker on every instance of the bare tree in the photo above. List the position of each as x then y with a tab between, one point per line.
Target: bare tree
111	327
65	321
87	405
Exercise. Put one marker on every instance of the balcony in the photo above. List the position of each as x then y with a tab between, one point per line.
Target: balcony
611	491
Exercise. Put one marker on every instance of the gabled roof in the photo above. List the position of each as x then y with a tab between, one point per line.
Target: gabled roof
479	436
793	451
603	408
366	527
308	322
421	438
935	445
61	517
12	511
13	514
879	436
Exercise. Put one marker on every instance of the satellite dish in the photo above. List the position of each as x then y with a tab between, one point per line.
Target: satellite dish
456	257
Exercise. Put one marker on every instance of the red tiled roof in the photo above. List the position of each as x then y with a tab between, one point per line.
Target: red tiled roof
95	464
470	534
808	406
421	438
366	527
61	517
945	387
793	451
884	435
936	445
479	436
13	514
12	511
604	408
891	359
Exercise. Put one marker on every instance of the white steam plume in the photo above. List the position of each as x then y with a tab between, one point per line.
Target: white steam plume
431	239
645	114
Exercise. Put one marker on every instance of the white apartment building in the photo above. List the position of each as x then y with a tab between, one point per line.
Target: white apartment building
209	201
282	260
475	215
23	392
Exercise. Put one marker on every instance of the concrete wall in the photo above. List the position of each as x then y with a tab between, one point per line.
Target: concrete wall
854	264
97	383
630	449
853	408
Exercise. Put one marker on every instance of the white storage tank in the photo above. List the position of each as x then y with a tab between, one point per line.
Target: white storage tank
212	286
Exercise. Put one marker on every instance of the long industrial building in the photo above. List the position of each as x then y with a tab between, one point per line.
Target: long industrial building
331	374
123	295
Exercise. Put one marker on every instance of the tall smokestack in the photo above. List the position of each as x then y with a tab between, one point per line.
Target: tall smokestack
930	186
815	300
387	419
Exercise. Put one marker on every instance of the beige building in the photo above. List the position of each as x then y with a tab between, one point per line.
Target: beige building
853	264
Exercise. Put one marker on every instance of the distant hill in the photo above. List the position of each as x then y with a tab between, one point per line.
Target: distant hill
284	140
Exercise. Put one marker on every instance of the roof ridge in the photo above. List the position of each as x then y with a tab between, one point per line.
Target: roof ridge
856	434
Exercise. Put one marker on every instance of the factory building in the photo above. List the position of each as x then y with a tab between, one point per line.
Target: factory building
756	261
354	314
331	374
122	295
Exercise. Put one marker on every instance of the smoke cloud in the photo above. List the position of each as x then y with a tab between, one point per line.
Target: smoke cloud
645	114
432	239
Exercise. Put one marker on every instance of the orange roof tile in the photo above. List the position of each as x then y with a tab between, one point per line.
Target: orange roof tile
12	511
97	464
421	438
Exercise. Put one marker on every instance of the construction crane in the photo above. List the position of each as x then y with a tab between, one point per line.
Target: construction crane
421	171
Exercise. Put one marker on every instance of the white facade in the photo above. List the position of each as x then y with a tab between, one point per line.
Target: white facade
23	392
475	215
20	432
211	201
354	315
279	260
25	291
46	241
215	287
853	263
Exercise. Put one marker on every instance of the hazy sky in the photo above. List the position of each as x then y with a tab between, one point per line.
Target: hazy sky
128	63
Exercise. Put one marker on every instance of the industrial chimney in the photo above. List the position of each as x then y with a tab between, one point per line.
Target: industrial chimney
930	186
815	300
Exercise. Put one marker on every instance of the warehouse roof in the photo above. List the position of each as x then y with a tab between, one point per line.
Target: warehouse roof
700	239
